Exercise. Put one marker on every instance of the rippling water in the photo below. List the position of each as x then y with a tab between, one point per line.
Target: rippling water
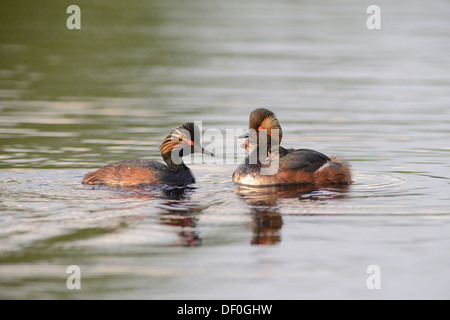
72	101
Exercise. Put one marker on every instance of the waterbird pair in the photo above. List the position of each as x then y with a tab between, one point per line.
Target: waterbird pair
293	166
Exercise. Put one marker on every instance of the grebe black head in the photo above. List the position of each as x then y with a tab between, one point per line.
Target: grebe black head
264	120
182	141
276	152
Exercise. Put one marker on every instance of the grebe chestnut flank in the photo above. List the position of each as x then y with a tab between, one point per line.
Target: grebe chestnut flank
182	141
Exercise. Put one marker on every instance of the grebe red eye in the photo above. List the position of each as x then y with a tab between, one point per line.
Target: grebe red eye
191	143
246	143
260	128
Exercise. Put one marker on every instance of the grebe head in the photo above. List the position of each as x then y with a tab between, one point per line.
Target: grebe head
182	141
263	121
246	144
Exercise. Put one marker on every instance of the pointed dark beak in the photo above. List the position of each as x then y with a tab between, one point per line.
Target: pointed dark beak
202	150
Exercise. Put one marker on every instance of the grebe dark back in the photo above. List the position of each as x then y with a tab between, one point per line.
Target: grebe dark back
293	166
182	141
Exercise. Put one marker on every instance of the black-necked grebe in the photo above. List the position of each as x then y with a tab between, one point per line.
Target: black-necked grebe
293	166
182	141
